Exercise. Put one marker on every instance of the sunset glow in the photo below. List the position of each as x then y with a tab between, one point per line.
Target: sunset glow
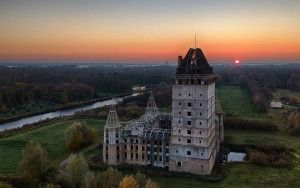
149	31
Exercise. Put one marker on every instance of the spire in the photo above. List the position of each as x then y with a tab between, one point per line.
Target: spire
151	105
112	118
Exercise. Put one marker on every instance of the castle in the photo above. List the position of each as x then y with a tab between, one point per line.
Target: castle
186	140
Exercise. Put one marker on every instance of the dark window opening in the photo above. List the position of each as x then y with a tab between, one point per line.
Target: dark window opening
189	104
189	132
178	163
189	141
189	123
189	113
188	152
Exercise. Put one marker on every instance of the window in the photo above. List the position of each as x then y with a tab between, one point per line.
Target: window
189	104
189	122
106	148
179	112
155	157
200	132
117	135
136	147
148	156
178	139
179	121
167	159
167	150
160	143
179	130
200	141
202	154
106	135
125	140
179	94
143	141
118	156
178	163
131	147
125	155
143	148
160	158
107	142
176	151
131	155
200	114
117	141
189	94
200	94
137	141
136	156
117	147
148	148
200	104
160	149
155	149
167	144
188	152
189	141
179	103
131	140
189	132
200	123
143	156
189	113
106	156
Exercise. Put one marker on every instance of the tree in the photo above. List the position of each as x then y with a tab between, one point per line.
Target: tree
140	178
76	170
34	163
110	178
50	185
128	182
89	180
151	184
78	135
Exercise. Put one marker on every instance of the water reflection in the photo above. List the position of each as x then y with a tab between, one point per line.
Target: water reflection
59	113
235	156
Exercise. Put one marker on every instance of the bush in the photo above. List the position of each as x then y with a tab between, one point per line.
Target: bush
109	179
293	122
128	182
5	185
245	124
267	157
79	135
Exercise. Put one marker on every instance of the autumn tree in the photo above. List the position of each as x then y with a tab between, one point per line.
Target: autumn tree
79	135
109	179
128	182
34	163
151	184
76	170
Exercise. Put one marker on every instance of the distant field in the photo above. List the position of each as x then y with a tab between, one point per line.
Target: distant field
235	99
51	137
283	92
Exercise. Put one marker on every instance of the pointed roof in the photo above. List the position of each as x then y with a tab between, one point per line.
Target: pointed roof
112	118
194	62
151	105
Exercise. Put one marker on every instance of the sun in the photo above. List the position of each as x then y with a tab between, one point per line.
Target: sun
237	61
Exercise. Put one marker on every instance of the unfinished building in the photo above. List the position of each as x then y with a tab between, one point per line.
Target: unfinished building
185	140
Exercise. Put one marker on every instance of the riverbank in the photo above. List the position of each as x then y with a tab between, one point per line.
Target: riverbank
63	107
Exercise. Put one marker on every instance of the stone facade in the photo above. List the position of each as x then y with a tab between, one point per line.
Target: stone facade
187	140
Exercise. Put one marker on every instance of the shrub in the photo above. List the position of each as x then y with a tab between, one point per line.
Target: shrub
5	185
270	158
109	179
89	180
140	178
79	135
293	122
246	124
128	182
151	184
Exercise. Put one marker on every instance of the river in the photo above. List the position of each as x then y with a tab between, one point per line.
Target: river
59	113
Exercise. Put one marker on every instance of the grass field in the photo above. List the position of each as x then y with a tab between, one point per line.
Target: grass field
236	100
51	137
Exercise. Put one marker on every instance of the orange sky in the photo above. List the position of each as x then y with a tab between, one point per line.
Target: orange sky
156	30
